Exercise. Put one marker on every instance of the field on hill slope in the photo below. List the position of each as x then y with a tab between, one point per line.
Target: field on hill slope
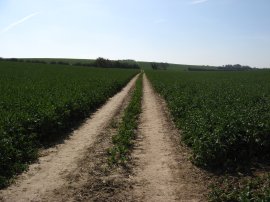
175	67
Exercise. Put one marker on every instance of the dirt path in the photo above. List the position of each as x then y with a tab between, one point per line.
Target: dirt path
52	170
163	171
77	170
96	180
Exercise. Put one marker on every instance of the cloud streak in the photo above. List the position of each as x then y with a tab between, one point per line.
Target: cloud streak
194	2
14	24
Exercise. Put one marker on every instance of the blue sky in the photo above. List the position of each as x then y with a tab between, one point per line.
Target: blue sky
207	32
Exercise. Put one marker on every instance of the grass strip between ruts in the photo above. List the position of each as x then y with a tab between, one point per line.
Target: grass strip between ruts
122	141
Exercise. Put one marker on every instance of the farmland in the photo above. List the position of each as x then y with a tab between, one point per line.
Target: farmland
39	103
224	116
127	130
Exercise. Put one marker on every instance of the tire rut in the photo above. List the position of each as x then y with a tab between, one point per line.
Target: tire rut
51	171
77	170
163	171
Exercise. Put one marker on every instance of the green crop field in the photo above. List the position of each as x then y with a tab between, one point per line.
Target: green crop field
39	103
224	116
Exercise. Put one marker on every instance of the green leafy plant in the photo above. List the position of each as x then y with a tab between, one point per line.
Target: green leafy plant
40	103
238	190
224	116
127	130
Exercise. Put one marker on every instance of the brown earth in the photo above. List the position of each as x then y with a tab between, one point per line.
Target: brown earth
159	168
163	171
51	171
97	179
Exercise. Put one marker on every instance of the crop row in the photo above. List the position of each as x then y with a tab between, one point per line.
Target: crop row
250	189
122	141
224	116
39	103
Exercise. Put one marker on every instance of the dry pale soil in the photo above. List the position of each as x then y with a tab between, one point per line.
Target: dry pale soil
158	169
163	171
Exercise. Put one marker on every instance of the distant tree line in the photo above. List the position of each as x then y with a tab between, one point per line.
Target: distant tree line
159	66
34	61
99	62
236	67
105	63
200	69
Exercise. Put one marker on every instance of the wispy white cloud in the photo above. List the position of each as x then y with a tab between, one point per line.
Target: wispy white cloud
14	24
198	2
